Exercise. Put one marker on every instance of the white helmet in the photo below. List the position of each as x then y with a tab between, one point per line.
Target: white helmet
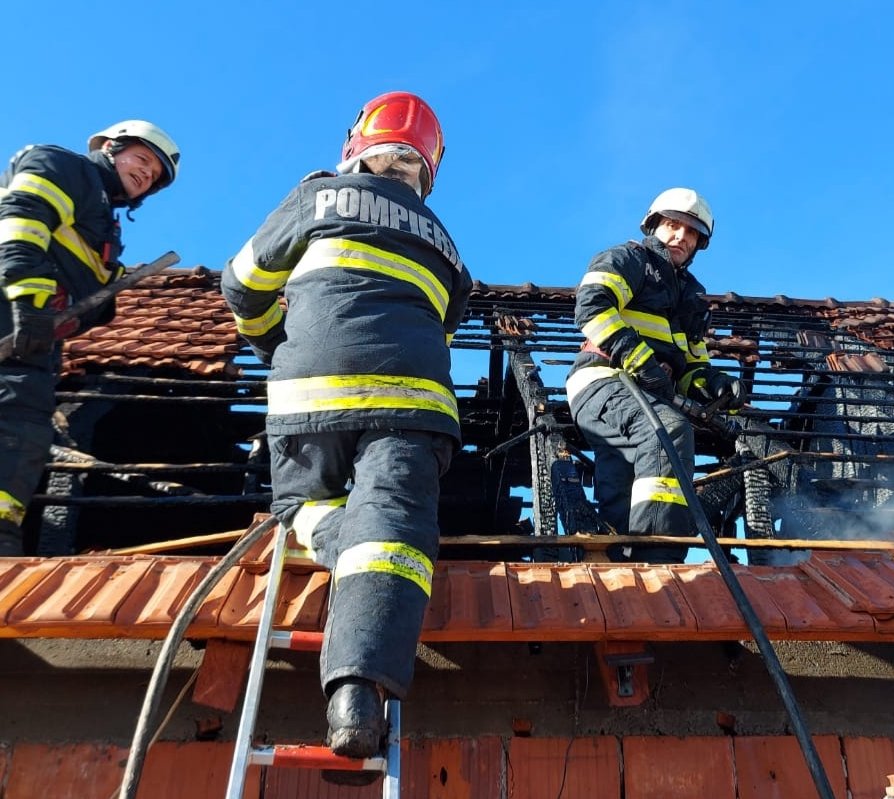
684	205
150	135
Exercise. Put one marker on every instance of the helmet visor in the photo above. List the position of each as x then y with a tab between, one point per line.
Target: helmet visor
688	219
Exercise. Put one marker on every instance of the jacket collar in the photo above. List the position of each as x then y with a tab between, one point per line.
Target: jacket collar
110	181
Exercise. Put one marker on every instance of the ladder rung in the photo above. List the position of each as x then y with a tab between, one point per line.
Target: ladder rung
306	756
297	641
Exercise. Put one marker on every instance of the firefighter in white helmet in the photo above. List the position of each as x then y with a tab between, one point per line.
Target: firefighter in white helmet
360	394
642	311
59	242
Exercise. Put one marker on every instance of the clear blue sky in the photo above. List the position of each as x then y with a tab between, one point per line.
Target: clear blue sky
562	121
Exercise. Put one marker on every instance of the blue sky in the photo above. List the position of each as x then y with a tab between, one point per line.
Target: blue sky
561	120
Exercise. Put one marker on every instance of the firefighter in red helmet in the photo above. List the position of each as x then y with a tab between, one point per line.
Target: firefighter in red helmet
362	418
60	241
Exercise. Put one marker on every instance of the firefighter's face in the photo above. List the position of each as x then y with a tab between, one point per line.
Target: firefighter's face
139	168
680	239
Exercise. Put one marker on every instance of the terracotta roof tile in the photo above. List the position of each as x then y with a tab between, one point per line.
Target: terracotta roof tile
554	599
138	596
468	597
639	598
175	320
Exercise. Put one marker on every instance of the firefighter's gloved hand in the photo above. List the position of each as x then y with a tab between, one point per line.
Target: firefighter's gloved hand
652	377
33	331
722	386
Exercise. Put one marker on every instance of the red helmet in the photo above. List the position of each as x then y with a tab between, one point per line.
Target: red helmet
397	118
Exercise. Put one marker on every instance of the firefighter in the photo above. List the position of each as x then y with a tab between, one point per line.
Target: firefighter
642	311
59	242
362	418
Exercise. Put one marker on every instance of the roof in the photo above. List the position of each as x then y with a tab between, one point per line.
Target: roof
173	321
847	597
163	410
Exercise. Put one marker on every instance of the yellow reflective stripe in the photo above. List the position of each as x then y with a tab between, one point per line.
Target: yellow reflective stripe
309	515
648	324
48	191
685	382
449	339
20	229
358	392
11	509
657	489
618	286
324	253
603	325
578	381
250	275
386	557
259	325
697	352
635	361
40	288
69	238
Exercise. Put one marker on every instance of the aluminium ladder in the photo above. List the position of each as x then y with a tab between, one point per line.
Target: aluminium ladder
299	755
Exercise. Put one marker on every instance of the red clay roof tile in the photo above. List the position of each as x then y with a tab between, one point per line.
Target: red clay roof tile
139	596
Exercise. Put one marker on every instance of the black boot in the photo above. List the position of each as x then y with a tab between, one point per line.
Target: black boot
356	727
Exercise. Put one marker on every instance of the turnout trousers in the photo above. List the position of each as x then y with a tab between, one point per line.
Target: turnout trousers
27	402
365	505
636	489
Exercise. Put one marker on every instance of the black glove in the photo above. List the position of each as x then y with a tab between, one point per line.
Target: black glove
722	386
33	331
651	377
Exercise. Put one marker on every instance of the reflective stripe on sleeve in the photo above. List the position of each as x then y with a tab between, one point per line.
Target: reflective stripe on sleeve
697	352
359	392
259	325
657	489
20	229
615	283
250	275
603	325
48	191
324	253
39	288
387	557
637	359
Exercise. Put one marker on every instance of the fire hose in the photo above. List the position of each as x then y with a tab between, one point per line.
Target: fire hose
151	701
774	667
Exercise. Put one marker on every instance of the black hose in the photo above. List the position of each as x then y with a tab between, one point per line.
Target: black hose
142	735
774	667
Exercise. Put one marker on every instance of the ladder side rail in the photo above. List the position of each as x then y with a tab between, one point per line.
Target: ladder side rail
257	667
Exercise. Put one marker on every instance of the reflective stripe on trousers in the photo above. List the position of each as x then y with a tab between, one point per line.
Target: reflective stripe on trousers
381	544
635	487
